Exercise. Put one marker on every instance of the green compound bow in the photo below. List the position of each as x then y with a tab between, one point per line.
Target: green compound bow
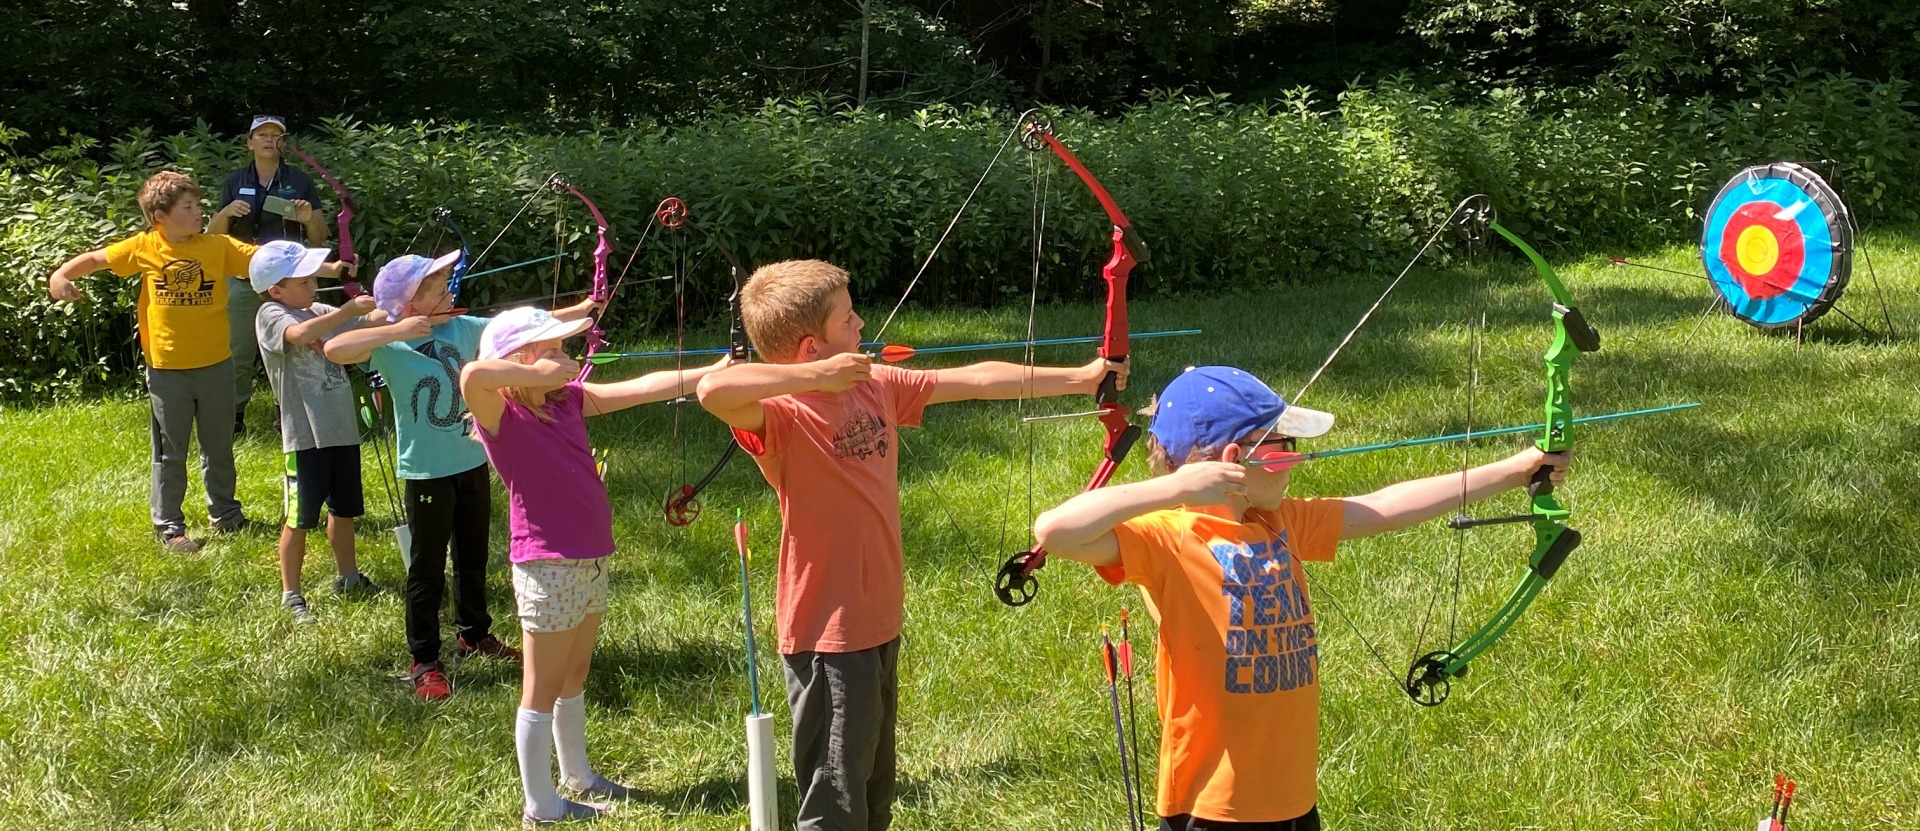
1429	678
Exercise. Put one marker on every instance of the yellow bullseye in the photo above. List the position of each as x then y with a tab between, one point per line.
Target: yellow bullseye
1757	249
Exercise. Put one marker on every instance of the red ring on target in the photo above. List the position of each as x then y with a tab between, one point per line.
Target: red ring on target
1762	250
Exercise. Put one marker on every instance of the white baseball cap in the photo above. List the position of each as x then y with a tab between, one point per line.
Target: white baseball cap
263	120
512	329
281	259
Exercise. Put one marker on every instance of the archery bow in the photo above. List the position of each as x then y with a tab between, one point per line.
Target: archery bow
445	215
1429	677
683	502
1015	583
342	221
602	248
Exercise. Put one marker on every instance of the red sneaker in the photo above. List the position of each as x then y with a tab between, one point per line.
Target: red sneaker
489	646
429	682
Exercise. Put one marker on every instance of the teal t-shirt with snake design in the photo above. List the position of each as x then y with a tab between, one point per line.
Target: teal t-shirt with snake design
430	417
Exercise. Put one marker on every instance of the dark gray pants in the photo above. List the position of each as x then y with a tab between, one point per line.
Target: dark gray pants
243	305
186	400
845	705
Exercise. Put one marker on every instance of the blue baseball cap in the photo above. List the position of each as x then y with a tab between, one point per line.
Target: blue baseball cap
1212	406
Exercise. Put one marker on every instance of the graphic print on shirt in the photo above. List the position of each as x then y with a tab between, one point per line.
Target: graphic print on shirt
435	386
182	283
1270	637
863	436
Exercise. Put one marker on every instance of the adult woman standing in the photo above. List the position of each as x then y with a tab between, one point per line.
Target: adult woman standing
260	203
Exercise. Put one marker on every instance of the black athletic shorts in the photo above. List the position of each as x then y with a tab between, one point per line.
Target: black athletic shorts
328	476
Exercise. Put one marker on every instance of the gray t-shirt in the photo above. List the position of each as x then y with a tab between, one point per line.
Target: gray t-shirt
316	399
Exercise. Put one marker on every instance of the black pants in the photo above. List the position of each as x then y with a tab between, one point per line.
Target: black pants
456	509
1309	821
845	707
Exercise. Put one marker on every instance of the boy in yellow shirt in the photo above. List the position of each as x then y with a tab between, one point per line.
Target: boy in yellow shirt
186	342
822	422
1217	546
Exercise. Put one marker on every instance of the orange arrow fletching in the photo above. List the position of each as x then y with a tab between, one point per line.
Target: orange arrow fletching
894	353
740	538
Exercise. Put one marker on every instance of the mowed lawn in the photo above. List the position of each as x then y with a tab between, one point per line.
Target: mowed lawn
1743	604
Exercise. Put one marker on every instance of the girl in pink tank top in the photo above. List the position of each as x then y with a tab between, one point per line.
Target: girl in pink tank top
529	403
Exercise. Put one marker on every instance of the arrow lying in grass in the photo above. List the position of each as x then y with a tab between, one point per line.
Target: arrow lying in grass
1290	459
893	352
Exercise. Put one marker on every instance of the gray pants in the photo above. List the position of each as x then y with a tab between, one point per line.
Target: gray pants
185	400
243	305
845	705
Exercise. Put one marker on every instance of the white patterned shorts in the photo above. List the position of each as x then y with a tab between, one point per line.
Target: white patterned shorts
556	595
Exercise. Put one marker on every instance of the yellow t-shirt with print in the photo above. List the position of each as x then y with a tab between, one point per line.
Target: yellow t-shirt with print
1238	664
183	294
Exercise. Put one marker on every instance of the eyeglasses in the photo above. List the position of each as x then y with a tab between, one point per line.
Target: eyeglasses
1283	442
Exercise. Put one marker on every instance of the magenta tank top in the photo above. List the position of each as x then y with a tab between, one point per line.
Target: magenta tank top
557	505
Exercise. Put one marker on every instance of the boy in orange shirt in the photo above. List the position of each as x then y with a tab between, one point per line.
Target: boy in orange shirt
822	423
187	344
1217	547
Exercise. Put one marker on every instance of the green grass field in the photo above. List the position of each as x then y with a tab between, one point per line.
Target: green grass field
1743	604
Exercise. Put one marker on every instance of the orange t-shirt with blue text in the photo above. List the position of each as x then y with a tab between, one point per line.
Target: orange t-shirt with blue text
833	458
1238	664
183	294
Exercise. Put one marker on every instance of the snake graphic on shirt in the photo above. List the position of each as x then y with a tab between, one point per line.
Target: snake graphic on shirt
435	386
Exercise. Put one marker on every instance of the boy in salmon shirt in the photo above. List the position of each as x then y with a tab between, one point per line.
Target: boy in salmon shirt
822	423
187	345
1217	546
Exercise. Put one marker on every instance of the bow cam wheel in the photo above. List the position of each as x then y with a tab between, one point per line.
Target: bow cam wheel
1015	585
683	506
1428	683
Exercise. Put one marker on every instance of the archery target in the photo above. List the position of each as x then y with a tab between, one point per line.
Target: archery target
1778	246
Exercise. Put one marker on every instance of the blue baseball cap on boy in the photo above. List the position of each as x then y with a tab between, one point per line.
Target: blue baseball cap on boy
395	284
1212	406
281	259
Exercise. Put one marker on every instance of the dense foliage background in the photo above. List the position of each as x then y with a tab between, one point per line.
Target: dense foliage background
99	68
1252	141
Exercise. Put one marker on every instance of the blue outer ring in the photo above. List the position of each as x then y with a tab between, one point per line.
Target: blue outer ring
1825	228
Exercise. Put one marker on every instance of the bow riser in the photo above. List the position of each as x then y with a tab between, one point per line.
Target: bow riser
602	251
342	221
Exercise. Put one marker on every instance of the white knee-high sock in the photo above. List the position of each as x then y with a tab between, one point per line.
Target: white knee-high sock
533	739
570	740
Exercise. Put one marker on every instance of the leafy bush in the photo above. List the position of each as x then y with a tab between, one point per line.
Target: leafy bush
1224	193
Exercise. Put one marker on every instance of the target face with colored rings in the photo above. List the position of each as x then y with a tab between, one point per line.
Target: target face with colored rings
1778	245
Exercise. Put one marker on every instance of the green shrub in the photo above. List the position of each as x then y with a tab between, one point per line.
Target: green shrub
1224	194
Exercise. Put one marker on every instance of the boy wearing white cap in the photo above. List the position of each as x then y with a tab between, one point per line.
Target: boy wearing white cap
317	428
530	406
1216	545
449	500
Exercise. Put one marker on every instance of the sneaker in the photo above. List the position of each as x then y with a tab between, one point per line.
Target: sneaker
602	788
179	544
298	606
570	811
244	523
489	646
355	583
429	682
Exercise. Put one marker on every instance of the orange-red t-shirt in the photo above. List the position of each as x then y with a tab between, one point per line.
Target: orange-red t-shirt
833	458
1238	665
183	294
